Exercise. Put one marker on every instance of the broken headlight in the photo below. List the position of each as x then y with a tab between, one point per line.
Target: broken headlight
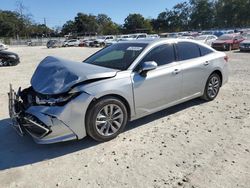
56	99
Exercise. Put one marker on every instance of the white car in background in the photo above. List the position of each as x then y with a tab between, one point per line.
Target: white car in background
102	40
135	37
122	37
185	37
72	42
206	39
153	36
3	46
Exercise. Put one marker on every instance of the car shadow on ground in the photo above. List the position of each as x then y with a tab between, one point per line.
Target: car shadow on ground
16	151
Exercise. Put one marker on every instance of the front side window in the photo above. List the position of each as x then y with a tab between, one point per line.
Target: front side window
187	50
162	55
118	56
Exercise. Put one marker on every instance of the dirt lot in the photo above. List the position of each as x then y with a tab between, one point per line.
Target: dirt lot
195	144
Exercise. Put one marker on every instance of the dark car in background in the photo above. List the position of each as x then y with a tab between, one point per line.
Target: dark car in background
53	44
8	58
245	45
228	42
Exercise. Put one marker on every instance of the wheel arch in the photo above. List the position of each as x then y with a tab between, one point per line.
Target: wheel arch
119	97
219	73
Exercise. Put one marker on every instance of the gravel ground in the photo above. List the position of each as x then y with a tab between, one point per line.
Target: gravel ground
191	145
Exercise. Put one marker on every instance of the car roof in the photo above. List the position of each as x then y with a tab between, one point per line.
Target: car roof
153	41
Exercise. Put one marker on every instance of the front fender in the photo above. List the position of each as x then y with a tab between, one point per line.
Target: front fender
119	85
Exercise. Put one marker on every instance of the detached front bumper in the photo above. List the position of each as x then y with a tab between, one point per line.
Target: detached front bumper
48	124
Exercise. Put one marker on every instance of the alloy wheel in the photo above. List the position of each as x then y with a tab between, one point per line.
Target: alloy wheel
109	120
213	87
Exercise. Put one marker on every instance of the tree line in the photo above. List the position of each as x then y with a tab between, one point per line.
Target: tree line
188	15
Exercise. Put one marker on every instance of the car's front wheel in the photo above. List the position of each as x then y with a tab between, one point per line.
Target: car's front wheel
212	87
106	118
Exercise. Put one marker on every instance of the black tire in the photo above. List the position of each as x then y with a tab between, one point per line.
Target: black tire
92	116
6	63
209	91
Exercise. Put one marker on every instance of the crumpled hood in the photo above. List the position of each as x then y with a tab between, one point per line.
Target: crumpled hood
55	75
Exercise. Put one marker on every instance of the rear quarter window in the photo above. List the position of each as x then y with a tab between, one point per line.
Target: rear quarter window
187	50
205	51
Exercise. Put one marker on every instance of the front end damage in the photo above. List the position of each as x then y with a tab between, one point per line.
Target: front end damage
49	118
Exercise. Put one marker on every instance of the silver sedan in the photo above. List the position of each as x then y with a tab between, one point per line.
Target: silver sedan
120	83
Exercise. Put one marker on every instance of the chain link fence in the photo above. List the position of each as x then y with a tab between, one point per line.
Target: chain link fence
34	41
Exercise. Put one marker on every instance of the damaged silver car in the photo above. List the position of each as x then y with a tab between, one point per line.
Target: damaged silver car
120	83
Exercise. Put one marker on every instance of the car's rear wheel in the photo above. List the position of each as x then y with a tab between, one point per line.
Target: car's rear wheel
212	87
106	118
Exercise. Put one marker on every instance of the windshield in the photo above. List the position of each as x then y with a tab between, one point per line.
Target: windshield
117	56
226	37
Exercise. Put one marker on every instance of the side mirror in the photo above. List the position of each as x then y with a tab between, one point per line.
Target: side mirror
147	66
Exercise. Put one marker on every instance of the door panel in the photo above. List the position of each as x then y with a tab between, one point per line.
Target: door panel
193	72
160	87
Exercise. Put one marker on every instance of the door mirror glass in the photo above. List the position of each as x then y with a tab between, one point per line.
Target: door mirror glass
147	66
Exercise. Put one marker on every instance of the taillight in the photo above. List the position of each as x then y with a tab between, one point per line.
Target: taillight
226	58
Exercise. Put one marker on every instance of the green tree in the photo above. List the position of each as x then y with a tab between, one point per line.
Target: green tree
69	28
173	20
232	13
85	23
136	22
106	26
9	24
202	14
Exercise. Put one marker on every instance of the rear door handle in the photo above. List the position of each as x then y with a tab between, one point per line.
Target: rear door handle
206	63
176	71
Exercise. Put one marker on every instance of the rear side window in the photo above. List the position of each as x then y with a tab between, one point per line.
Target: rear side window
187	50
162	55
205	51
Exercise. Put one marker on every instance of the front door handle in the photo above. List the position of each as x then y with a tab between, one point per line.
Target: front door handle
206	63
176	71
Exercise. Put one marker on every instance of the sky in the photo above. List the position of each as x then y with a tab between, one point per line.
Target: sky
57	12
